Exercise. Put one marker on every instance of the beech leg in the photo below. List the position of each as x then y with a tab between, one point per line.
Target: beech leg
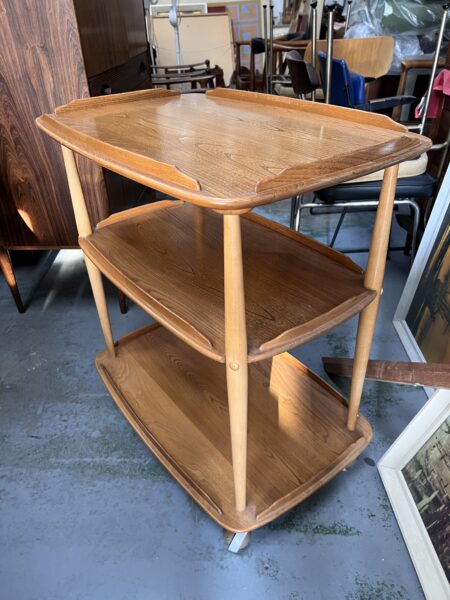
85	228
236	354
373	280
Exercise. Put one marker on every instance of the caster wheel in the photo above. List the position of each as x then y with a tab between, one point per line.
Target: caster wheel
236	541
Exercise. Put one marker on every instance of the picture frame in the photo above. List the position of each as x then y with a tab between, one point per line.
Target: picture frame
420	283
407	469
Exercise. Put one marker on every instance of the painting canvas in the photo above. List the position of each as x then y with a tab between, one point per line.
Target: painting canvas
427	476
416	475
422	318
428	317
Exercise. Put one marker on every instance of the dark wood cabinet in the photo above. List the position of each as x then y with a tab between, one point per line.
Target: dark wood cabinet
54	51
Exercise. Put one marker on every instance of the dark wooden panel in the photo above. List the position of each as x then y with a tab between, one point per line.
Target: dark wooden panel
135	74
43	68
111	31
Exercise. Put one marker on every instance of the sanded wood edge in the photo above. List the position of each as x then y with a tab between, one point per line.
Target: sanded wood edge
138	211
306	241
302	334
342	168
317	108
145	170
300	494
158	450
171	321
112	99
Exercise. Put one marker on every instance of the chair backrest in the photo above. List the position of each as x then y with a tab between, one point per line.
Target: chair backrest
347	88
370	57
304	77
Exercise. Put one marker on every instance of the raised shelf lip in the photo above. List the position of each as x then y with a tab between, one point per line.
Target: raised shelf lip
286	340
293	180
248	520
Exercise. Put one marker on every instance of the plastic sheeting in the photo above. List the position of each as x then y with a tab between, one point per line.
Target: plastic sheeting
414	17
413	23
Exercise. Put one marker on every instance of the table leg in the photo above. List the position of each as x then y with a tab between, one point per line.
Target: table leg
236	354
85	228
373	281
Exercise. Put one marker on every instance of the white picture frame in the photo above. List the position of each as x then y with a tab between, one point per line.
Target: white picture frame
434	225
423	554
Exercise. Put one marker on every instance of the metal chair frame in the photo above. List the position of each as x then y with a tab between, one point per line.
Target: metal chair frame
297	206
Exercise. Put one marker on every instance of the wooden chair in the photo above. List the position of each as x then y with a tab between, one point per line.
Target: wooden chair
198	75
253	81
370	57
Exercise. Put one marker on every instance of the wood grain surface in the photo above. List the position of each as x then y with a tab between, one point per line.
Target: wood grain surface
41	67
171	264
407	373
112	32
231	149
176	400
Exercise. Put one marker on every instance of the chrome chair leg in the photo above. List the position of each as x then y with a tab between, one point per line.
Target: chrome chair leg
298	213
366	203
294	202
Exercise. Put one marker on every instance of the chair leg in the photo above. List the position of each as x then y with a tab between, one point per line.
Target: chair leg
298	213
338	227
416	210
123	304
294	203
8	272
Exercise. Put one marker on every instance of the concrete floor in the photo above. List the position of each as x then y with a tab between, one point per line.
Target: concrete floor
87	513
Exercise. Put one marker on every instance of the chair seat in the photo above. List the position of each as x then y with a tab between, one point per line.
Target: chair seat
407	187
408	168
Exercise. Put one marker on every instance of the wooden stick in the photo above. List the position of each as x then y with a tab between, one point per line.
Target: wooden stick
236	353
8	272
84	228
404	373
373	280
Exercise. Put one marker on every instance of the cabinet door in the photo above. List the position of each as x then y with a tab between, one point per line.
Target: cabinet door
41	67
111	32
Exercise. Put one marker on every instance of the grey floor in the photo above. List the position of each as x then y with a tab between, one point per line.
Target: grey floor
88	514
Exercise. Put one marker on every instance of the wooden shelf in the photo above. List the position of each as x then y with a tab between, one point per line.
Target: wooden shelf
176	400
168	258
229	149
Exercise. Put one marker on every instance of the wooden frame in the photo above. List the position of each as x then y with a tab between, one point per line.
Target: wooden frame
423	255
167	386
429	569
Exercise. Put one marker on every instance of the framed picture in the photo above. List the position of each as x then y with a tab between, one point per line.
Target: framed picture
416	474
422	318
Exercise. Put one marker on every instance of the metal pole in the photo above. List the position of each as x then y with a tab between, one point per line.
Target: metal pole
331	10
266	53
173	20
434	68
314	41
270	47
349	12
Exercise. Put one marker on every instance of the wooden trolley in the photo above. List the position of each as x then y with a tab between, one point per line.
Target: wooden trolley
243	426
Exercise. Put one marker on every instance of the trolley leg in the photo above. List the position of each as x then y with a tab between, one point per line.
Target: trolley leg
84	228
236	354
373	281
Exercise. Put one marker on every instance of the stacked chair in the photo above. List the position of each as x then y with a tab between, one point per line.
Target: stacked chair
349	90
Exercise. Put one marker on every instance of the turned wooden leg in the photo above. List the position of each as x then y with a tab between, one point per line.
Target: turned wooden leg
85	228
236	354
373	280
8	272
